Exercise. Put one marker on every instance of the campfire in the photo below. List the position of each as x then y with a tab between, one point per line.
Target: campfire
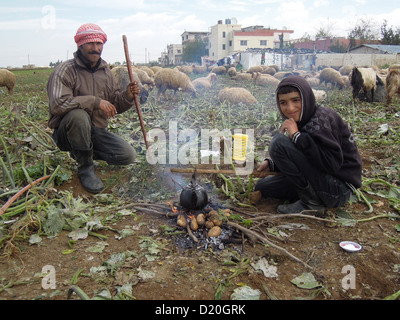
205	226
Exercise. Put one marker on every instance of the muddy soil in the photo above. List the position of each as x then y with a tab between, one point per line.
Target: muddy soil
181	269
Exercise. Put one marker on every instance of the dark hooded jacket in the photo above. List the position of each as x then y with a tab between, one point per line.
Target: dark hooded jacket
325	138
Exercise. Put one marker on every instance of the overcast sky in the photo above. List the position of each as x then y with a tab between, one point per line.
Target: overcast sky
40	32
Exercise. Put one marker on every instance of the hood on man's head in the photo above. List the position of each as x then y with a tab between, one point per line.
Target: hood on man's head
307	96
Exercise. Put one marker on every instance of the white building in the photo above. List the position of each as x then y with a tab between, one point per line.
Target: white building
229	38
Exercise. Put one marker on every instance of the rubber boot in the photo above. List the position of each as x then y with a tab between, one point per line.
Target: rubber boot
86	173
308	201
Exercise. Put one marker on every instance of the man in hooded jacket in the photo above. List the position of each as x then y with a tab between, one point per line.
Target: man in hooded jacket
83	96
315	152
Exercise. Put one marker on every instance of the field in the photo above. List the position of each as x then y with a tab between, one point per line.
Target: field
58	241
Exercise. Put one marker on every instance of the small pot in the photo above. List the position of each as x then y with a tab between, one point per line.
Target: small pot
193	197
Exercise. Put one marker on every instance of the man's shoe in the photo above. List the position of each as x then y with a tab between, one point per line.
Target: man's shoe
308	201
86	173
299	206
90	180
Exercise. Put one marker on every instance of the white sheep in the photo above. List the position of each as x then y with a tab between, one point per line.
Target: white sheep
236	95
205	82
330	75
320	95
7	79
265	80
174	80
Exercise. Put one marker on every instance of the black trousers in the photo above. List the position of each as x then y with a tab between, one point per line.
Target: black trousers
297	171
76	133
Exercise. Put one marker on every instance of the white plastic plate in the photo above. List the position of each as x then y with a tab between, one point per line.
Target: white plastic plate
350	246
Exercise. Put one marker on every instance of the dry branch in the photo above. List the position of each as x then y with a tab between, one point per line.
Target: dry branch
256	235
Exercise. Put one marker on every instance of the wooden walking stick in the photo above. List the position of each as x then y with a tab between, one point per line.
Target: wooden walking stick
139	112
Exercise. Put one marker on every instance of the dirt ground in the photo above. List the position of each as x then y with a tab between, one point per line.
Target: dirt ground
180	269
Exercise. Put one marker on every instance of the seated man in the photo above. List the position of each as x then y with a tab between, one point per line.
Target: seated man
83	96
318	158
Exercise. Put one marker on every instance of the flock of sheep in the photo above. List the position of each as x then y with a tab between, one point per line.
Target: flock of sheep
368	83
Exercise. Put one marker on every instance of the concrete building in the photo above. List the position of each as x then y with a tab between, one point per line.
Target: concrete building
174	55
190	36
228	38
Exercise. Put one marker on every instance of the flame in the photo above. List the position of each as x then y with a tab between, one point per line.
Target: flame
173	208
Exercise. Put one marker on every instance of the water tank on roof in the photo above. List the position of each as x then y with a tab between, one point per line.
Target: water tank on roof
227	21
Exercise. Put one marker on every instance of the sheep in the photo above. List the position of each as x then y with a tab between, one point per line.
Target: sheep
313	81
149	72
242	76
345	70
143	76
366	79
155	69
330	75
172	79
265	80
121	75
186	69
268	70
219	70
7	79
282	74
232	71
236	95
199	69
320	95
255	69
392	85
205	82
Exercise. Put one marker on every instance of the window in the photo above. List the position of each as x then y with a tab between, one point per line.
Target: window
223	47
230	43
263	42
223	34
243	42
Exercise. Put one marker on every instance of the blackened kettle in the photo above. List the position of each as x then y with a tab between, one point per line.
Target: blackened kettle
193	197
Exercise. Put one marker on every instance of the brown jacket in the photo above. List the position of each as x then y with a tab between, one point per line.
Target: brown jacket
73	85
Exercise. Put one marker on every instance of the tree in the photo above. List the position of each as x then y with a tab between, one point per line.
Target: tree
193	51
389	36
364	31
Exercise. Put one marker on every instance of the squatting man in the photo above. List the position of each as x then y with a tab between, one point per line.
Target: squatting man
83	96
